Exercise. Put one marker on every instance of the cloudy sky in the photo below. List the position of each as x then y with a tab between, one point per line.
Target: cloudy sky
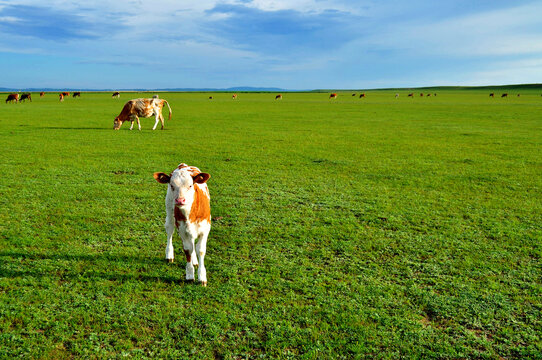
291	44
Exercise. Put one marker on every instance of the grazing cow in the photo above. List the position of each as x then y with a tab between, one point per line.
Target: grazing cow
278	97
504	95
333	96
519	95
76	94
234	96
61	97
421	94
411	95
354	94
428	95
66	93
26	96
116	95
133	109
12	97
42	94
210	98
188	209
492	95
396	96
361	95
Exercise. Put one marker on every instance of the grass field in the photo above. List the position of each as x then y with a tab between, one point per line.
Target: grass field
355	228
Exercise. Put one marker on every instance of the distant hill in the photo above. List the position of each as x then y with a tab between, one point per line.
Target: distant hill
274	89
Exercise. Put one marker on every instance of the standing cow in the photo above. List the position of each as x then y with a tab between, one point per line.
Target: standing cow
133	109
333	95
76	94
116	95
61	97
234	96
278	97
188	210
12	97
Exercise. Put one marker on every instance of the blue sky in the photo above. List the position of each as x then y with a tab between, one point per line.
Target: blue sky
291	44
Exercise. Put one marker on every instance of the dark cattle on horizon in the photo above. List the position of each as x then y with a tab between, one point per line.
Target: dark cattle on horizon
411	95
504	95
278	97
42	94
12	97
76	94
26	96
492	95
116	95
361	95
333	96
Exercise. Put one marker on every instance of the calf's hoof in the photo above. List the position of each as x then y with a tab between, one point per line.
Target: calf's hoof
169	261
204	283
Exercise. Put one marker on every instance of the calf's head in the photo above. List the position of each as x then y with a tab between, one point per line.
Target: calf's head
181	185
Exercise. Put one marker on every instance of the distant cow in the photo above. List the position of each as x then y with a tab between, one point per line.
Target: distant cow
278	97
234	96
210	98
421	94
361	95
26	96
76	94
12	97
396	96
504	95
116	95
42	94
188	210
333	96
61	97
519	95
428	94
492	95
411	95
354	94
133	109
66	93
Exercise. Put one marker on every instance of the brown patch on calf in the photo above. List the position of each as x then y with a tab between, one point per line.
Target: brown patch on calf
201	208
188	255
161	177
178	215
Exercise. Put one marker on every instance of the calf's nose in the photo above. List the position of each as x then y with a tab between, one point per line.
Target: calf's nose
180	201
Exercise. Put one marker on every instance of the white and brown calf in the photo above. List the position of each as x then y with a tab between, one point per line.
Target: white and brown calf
135	108
188	210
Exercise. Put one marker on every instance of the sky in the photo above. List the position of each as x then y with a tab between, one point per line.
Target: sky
289	44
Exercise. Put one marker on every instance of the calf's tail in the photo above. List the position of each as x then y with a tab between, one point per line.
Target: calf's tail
170	112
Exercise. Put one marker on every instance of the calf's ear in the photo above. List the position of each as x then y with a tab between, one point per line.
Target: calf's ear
201	178
161	177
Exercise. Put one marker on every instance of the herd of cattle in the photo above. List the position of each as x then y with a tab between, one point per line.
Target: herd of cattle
27	96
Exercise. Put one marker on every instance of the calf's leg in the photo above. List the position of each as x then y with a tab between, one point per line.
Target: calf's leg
170	229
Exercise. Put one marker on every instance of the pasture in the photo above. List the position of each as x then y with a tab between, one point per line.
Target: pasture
347	228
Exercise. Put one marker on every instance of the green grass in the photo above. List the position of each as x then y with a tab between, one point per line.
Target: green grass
372	228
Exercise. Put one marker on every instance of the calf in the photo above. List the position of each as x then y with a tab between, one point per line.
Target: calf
188	210
133	109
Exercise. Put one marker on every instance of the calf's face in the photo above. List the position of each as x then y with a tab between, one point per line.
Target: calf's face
181	185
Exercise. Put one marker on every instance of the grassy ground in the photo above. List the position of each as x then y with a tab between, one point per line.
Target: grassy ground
352	228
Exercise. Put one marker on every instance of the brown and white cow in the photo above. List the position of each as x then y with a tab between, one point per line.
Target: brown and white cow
188	210
116	95
61	97
12	97
26	96
42	94
411	95
66	93
234	96
278	97
504	95
135	108
361	95
492	95
333	96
